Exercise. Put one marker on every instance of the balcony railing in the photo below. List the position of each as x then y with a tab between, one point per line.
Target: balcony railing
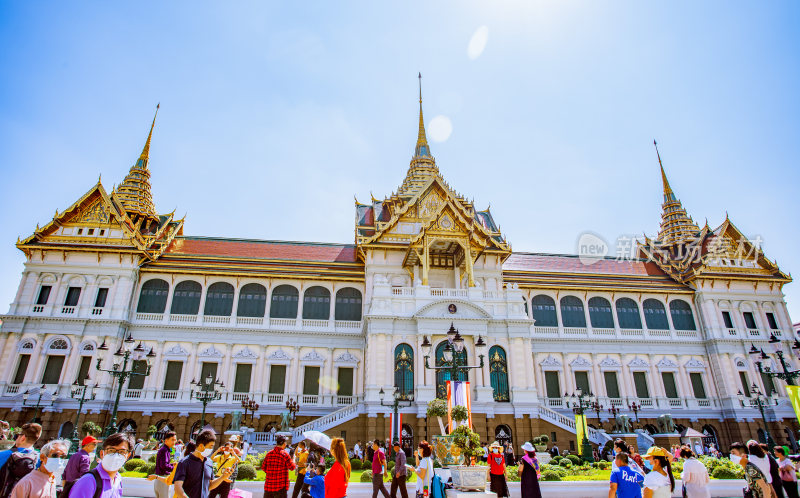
97	311
754	332
344	400
732	332
239	396
37	308
274	399
310	399
255	321
449	293
619	333
659	332
133	394
169	395
68	310
11	389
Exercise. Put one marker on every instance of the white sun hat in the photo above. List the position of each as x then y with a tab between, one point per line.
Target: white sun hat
528	447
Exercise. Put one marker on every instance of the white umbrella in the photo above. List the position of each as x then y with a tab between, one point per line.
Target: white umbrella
318	438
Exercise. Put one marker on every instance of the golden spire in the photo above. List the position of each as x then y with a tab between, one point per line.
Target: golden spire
676	225
422	149
134	191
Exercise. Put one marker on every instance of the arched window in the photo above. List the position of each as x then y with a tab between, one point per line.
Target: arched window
502	434
153	298
58	345
404	371
284	302
628	314
252	300
681	313
65	431
348	304
317	303
498	374
544	311
219	299
572	314
442	376
186	298
655	316
600	313
407	435
710	435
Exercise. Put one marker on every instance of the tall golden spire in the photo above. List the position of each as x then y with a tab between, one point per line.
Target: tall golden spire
422	149
134	191
676	225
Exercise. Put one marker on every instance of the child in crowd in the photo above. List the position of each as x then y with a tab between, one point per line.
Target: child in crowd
315	479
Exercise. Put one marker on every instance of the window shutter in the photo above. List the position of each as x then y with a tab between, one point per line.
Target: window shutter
22	368
669	384
311	380
612	387
277	379
582	381
241	383
640	381
697	385
52	370
137	381
345	382
172	380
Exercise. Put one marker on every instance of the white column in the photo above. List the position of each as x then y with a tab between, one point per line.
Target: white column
226	367
235	307
11	343
39	357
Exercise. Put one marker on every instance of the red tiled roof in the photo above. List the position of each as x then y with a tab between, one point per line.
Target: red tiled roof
254	249
558	263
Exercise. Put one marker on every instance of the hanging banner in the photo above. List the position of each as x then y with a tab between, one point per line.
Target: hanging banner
458	395
580	420
794	397
396	428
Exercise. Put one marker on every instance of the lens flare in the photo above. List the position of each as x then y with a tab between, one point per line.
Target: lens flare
440	128
329	383
478	42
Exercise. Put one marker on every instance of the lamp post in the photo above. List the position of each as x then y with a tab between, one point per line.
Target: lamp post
580	402
614	411
119	371
293	406
249	404
205	391
760	401
395	405
82	393
788	375
451	353
635	408
38	404
597	408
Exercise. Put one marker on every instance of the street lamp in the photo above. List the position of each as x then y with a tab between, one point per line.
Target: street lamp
635	408
761	402
249	404
580	402
38	405
788	375
395	405
120	372
451	353
82	393
614	411
206	392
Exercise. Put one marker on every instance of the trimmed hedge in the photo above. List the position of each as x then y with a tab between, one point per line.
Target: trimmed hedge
557	458
549	475
575	459
246	472
147	468
566	463
366	476
133	464
355	464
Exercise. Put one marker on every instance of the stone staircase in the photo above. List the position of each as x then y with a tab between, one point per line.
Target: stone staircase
325	422
568	424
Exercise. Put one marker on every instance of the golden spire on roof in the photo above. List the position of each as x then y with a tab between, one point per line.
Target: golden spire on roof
134	191
676	225
423	166
422	148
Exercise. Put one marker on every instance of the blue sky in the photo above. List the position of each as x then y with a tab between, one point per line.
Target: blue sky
274	115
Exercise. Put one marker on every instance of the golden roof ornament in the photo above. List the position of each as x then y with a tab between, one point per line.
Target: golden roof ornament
676	225
134	191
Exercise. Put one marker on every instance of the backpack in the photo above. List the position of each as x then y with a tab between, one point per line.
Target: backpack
17	466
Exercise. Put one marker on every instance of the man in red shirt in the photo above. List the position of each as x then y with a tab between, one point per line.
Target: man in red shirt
276	466
378	468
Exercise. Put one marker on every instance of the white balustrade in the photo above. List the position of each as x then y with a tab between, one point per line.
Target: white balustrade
449	292
11	389
97	311
348	325
133	394
604	332
686	333
68	310
310	399
732	332
631	332
150	317
176	318
250	320
546	330
344	400
315	324
402	291
754	332
283	322
216	319
239	396
274	399
658	333
169	395
575	331
37	308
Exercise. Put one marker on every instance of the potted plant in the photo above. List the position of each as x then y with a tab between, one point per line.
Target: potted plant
540	442
467	443
459	414
89	428
443	448
438	408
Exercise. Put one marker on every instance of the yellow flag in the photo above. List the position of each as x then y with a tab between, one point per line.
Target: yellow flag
580	421
794	397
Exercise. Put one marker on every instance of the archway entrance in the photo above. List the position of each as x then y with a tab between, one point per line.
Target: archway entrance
502	434
407	437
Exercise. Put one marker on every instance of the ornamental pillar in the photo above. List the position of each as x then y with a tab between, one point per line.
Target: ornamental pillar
426	261
468	256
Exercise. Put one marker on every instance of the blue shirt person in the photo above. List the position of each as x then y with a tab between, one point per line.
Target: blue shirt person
316	484
625	482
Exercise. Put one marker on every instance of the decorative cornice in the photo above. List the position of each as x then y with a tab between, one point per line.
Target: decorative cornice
638	363
666	363
550	361
313	356
176	350
279	355
580	361
246	354
609	362
347	357
210	352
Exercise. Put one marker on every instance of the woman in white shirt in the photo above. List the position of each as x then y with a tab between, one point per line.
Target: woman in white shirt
659	483
694	476
424	468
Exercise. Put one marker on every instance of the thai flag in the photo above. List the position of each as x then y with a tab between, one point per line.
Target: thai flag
396	429
458	393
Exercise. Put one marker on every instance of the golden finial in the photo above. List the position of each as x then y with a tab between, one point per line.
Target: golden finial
422	148
667	188
37	227
56	216
146	151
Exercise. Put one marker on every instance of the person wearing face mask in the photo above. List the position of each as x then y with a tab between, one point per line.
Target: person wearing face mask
194	477
104	480
41	483
78	464
497	470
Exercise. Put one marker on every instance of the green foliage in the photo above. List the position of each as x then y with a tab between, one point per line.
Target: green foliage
390	465
355	464
246	472
557	458
566	463
366	476
459	413
536	441
550	475
725	469
561	471
134	463
575	459
89	428
151	431
544	438
603	465
147	468
329	461
151	459
437	408
468	441
512	473
437	464
677	466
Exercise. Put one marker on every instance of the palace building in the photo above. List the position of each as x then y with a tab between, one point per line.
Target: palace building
331	325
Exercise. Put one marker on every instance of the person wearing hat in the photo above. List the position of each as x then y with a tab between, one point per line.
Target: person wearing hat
79	463
659	483
529	472
225	457
497	470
